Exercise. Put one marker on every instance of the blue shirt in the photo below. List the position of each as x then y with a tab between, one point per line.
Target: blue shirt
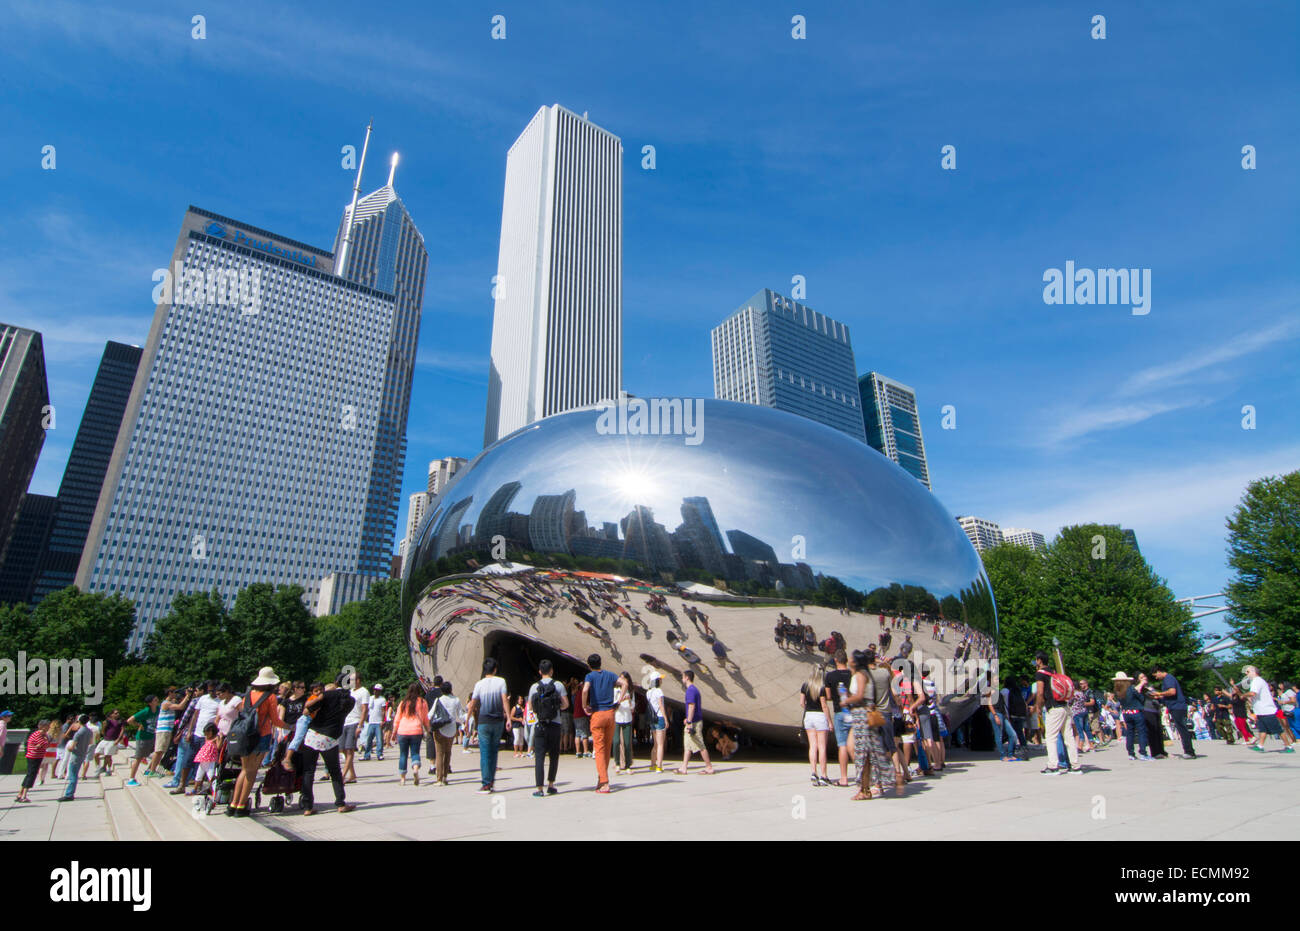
1179	701
692	704
602	689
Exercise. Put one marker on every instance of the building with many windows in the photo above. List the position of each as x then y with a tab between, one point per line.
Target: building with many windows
893	423
259	433
442	471
983	534
1022	537
83	476
24	407
775	352
557	324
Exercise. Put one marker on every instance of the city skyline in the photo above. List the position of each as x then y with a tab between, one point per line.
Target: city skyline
1094	413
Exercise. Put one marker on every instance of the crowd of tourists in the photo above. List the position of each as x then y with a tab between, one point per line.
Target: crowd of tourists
1071	717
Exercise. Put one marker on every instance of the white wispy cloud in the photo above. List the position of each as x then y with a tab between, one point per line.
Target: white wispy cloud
1176	507
1174	373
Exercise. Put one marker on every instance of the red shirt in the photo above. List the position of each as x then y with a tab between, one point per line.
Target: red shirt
36	744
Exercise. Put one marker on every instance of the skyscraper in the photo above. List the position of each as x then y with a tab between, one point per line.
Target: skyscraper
24	403
557	326
441	471
893	424
83	476
258	435
983	534
776	352
386	252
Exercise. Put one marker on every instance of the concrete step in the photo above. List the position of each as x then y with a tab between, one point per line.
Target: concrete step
214	826
125	818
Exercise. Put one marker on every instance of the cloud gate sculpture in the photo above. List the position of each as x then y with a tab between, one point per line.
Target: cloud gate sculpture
668	547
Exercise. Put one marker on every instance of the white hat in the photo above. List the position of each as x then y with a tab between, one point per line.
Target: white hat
379	687
266	676
1121	677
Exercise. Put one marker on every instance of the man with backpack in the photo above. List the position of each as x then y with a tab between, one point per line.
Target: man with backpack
547	699
1053	698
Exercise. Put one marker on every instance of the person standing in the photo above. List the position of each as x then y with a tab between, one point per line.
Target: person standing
816	705
37	741
837	688
691	739
261	700
351	734
188	742
81	738
410	724
1223	715
1171	694
1056	715
1135	726
487	704
547	698
374	721
581	722
1265	709
599	701
1151	715
328	708
143	721
654	698
444	726
624	714
1003	733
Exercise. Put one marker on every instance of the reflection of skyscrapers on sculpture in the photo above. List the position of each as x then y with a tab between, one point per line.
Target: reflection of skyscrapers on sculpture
779	353
590	559
557	325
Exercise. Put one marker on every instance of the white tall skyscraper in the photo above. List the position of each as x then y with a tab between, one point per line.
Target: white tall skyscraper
557	326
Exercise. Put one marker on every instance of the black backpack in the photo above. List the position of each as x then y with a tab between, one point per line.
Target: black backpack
244	733
546	703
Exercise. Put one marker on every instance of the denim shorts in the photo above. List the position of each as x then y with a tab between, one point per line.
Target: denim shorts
843	728
582	728
661	723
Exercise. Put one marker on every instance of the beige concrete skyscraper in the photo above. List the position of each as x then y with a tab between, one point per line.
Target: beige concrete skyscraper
557	327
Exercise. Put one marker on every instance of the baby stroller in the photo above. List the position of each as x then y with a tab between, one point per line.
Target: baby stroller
222	788
279	781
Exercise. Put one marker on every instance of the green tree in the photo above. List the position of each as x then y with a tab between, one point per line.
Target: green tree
129	686
1110	611
197	638
1095	593
72	624
272	627
1016	575
370	636
1264	594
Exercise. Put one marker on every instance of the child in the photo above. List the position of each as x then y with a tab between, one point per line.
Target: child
206	759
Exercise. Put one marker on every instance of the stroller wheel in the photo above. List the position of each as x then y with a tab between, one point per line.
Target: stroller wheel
277	804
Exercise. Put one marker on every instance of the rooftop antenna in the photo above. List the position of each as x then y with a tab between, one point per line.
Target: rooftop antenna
392	169
356	192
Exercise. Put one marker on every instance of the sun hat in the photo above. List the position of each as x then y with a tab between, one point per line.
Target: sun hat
1121	677
266	676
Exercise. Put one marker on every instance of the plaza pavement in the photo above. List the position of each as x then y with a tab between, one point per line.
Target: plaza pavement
1231	793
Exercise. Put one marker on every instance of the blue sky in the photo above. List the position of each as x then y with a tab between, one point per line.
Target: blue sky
775	158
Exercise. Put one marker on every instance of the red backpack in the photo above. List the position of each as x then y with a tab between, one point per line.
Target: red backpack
1062	686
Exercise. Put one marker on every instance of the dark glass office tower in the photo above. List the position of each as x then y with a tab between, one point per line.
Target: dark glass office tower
24	403
83	477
